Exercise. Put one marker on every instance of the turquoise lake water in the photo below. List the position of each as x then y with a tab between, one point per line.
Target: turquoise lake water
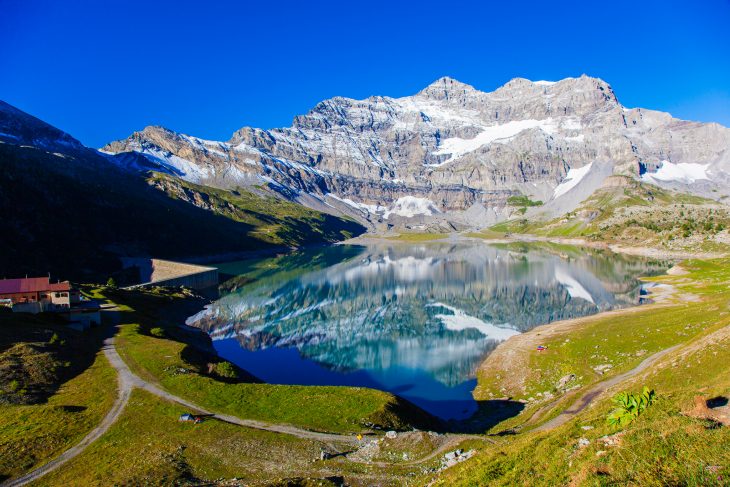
415	320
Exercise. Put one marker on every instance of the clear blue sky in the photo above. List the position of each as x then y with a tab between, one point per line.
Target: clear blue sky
102	69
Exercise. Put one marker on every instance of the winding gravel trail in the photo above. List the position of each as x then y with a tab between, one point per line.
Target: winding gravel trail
124	390
127	375
127	381
591	394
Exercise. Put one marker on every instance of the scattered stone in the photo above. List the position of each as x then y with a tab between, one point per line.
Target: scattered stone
325	455
391	434
612	440
586	427
564	381
583	442
457	456
602	369
600	453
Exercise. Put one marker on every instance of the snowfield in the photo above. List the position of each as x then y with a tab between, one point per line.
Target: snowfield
458	147
684	172
374	209
410	206
571	180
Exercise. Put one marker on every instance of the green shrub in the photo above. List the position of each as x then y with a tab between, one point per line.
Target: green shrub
522	200
157	332
226	370
111	282
630	406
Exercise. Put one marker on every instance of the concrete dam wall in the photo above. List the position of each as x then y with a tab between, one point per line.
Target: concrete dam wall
159	272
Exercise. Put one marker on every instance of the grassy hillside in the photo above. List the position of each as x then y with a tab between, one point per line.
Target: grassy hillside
148	446
54	388
664	446
185	364
636	213
273	220
71	215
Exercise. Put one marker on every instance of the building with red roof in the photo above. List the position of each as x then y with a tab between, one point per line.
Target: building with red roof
39	294
37	290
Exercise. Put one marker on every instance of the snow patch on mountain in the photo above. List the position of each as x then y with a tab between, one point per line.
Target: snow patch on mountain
683	172
10	136
176	165
410	206
373	209
458	147
213	146
434	112
571	180
571	123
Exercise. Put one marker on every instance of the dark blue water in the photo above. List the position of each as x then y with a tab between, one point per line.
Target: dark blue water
414	320
287	366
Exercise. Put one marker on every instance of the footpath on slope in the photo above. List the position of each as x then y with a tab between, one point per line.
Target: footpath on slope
596	390
124	390
127	381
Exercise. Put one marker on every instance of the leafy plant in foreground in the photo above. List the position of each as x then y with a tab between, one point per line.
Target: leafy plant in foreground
630	406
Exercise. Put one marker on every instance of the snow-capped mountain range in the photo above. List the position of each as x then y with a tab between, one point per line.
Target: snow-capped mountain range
450	155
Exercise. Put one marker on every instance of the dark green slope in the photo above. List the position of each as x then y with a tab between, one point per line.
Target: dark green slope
72	214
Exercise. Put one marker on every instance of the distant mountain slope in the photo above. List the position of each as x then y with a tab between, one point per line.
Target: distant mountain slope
452	153
635	213
71	211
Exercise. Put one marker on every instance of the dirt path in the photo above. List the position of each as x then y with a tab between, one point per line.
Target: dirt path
591	394
124	389
124	371
452	442
127	381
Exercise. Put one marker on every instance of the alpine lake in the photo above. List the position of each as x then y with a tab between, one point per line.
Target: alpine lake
412	319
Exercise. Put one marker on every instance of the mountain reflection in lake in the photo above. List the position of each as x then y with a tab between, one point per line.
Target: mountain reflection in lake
415	320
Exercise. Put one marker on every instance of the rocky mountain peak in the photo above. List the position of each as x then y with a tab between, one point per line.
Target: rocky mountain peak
447	88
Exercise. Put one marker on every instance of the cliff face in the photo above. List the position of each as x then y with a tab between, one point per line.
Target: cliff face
452	155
